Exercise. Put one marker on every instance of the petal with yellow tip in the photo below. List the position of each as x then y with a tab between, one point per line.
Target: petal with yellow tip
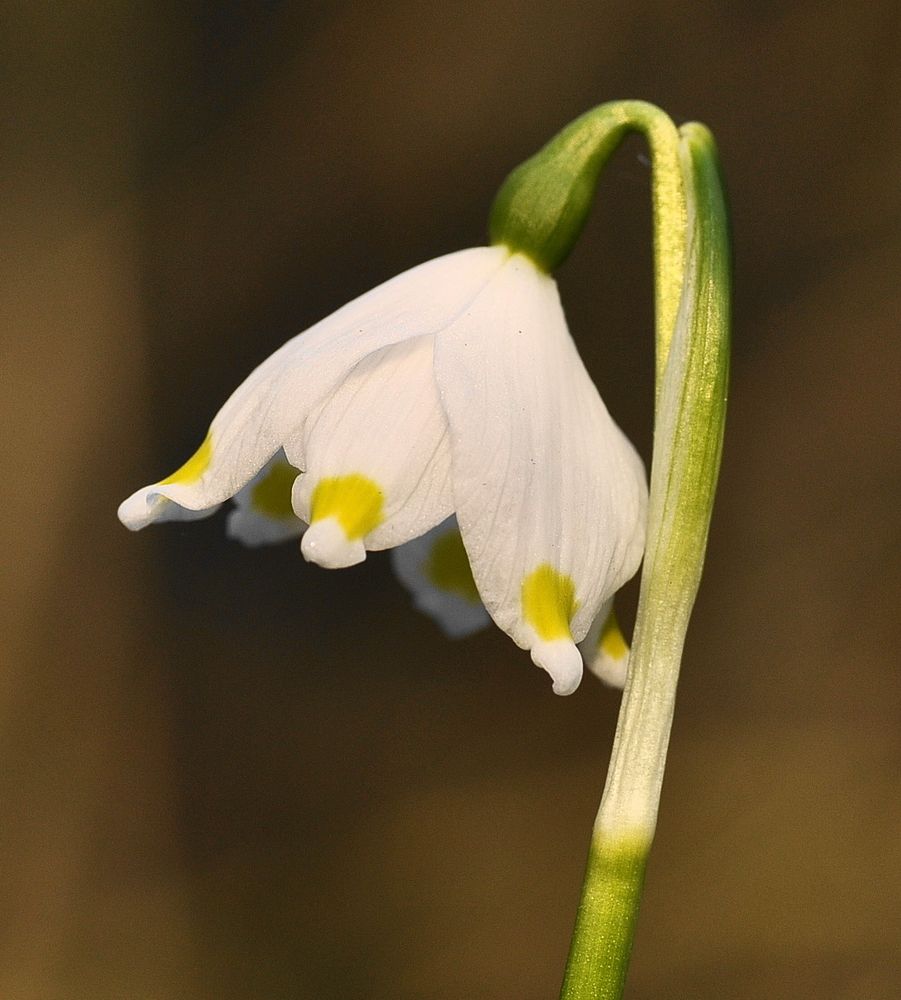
343	510
159	503
605	648
377	458
435	569
263	514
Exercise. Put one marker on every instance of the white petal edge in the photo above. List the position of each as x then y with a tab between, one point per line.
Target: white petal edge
153	506
561	660
271	406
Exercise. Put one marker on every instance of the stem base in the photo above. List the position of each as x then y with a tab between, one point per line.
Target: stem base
605	925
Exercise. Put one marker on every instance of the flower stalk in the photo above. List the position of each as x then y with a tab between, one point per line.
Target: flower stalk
541	210
692	388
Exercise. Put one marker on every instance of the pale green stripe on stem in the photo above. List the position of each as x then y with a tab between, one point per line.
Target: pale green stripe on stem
687	445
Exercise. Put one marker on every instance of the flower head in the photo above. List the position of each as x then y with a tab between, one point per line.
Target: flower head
454	388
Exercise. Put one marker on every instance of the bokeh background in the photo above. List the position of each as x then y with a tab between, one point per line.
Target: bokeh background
228	774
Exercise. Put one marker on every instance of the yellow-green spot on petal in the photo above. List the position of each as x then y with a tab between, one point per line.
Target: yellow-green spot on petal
355	501
272	494
448	567
195	466
549	602
612	643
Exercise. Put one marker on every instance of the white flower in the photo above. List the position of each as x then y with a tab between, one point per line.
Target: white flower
453	388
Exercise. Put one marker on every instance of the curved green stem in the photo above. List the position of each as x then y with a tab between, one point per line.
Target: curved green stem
687	445
540	211
691	391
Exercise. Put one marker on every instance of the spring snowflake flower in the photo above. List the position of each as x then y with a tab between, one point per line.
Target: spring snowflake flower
453	389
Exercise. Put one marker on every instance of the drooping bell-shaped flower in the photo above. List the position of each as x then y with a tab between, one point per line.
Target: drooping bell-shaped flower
446	415
452	389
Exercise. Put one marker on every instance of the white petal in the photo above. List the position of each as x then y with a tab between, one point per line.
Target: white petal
604	648
550	495
326	543
435	570
263	514
380	445
157	503
273	403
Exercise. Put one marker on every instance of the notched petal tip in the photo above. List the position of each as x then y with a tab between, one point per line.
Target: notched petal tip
152	504
141	508
562	660
326	544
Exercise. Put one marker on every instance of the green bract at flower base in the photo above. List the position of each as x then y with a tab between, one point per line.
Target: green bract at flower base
543	205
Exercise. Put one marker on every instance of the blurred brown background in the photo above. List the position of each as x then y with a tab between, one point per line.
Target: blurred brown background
227	774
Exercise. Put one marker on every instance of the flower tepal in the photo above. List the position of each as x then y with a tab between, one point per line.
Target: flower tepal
454	388
436	571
